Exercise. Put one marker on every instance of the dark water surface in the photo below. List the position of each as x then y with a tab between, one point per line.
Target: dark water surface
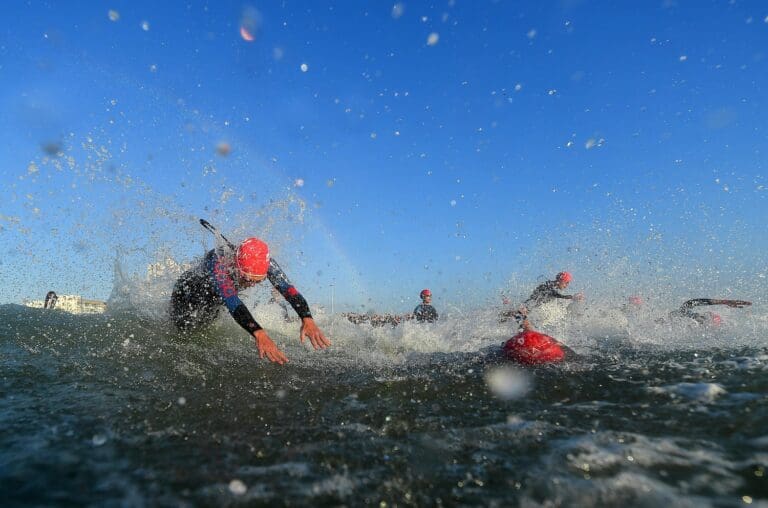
112	411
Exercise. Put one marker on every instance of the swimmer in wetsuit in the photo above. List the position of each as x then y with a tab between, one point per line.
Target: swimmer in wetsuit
544	293
548	291
50	300
425	312
708	318
200	292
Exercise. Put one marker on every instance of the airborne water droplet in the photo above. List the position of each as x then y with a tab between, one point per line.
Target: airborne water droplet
237	487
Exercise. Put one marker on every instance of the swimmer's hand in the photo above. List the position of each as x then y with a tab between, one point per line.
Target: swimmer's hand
737	304
310	330
268	348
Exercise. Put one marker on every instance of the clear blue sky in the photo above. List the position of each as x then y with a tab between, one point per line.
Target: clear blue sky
460	145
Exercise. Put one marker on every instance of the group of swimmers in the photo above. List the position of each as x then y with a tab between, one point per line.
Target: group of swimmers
226	270
423	313
549	291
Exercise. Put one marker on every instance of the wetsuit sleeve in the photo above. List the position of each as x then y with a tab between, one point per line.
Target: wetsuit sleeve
697	302
544	293
225	288
279	279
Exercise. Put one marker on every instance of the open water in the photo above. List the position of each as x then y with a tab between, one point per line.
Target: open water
118	410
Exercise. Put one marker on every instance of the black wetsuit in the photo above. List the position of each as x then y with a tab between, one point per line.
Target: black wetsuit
425	313
200	292
686	310
545	293
50	300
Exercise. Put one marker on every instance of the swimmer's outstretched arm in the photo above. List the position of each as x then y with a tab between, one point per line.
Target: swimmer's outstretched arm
738	304
309	329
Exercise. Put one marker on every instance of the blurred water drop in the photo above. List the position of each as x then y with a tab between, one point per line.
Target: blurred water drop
433	38
145	26
113	15
52	148
508	383
223	148
246	35
304	67
98	439
237	487
397	10
299	182
250	24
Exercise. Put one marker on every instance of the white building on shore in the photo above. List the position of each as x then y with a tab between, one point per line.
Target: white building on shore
74	304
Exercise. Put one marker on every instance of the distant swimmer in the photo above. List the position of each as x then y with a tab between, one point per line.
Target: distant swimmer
544	294
633	306
50	300
425	312
374	319
707	318
200	292
548	291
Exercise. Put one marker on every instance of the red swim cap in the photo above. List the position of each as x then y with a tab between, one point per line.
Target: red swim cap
425	292
252	258
564	277
715	319
636	300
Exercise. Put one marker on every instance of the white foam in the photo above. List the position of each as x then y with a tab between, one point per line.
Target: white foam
700	392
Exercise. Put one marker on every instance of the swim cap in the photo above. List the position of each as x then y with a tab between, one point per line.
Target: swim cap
715	319
564	277
636	300
425	292
252	258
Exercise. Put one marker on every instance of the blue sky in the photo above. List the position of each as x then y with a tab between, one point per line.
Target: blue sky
462	146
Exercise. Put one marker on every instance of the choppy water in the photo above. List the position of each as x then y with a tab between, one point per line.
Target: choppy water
109	410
